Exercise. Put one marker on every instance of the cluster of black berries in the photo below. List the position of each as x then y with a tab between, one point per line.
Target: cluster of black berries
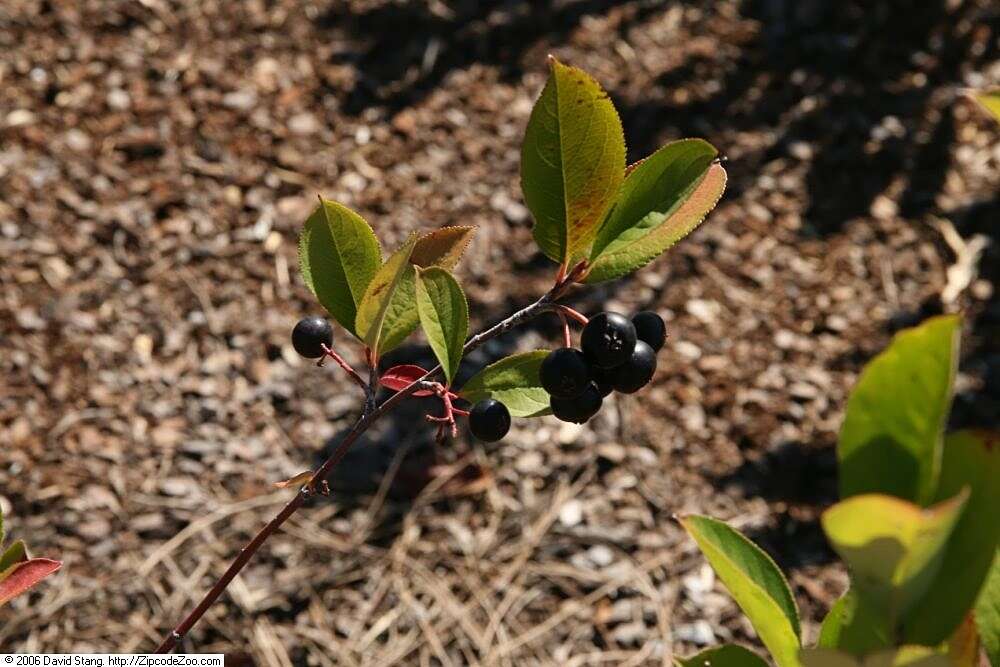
489	419
618	355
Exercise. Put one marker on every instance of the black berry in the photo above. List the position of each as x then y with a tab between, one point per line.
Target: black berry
580	408
310	335
564	373
608	339
604	379
649	327
635	373
489	420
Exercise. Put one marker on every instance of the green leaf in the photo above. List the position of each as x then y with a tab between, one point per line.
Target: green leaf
2	534
971	459
20	577
338	255
892	434
903	656
987	613
441	247
827	657
572	162
14	554
853	626
754	581
988	100
514	382
663	226
729	655
374	304
893	548
444	315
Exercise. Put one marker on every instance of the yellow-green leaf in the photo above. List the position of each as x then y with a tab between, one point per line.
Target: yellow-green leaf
378	296
514	382
338	256
988	100
656	233
572	162
444	316
729	655
442	247
971	459
893	548
755	582
987	613
676	197
894	424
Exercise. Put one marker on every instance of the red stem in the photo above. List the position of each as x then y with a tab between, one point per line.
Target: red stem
567	334
571	313
356	376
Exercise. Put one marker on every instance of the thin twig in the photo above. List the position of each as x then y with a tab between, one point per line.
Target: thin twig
567	334
369	417
576	315
354	375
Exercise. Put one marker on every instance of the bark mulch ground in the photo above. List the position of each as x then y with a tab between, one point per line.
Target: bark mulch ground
156	161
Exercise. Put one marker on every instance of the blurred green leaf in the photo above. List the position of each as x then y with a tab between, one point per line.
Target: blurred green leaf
892	434
971	459
572	162
987	613
14	554
514	382
338	256
20	577
729	655
754	581
893	548
663	198
442	247
444	316
903	656
854	627
374	304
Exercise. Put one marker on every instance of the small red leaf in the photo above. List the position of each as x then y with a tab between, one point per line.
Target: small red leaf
19	578
400	377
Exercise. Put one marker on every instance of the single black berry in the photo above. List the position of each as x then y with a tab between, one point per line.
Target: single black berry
650	327
635	373
310	335
564	372
608	339
603	378
489	420
580	408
